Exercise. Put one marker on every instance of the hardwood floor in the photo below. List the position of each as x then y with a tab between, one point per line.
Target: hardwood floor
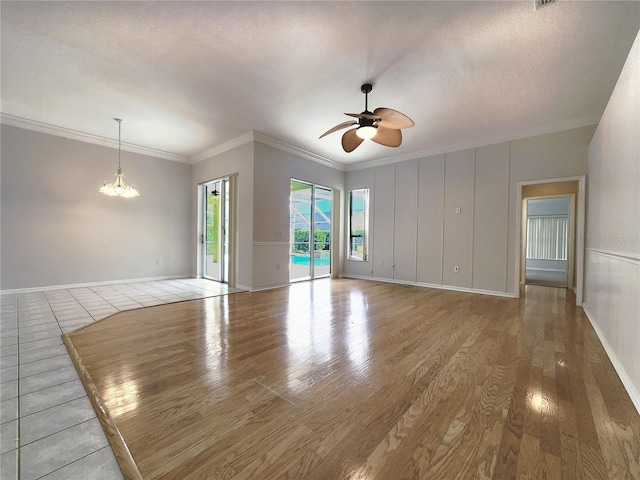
348	379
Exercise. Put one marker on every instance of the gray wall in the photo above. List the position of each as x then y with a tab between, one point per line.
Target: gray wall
58	230
612	281
238	161
429	215
264	179
273	170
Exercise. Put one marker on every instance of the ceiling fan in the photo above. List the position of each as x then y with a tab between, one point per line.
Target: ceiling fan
382	125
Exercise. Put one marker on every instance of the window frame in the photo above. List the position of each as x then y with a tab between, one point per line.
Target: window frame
362	256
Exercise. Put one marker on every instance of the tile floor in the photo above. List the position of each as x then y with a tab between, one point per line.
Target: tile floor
48	429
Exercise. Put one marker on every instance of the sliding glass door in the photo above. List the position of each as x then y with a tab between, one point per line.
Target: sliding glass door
215	241
322	232
310	231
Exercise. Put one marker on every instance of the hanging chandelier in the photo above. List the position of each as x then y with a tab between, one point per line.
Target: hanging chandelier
118	188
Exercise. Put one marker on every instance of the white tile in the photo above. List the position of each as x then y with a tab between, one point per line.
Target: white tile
55	419
61	449
40	344
53	415
8	351
27	322
41	381
8	341
8	390
72	317
9	410
52	326
50	397
45	365
8	436
103	311
102	465
72	328
8	374
76	321
9	360
8	332
41	354
42	335
9	323
9	465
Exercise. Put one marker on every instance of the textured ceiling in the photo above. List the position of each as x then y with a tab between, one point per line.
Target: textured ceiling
189	76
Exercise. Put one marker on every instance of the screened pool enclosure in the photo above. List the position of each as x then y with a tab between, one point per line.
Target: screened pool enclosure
310	231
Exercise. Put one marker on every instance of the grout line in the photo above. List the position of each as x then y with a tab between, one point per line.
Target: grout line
61	430
18	441
50	386
75	461
40	359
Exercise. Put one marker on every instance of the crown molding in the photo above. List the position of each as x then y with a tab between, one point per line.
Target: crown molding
259	137
35	126
300	152
545	130
223	147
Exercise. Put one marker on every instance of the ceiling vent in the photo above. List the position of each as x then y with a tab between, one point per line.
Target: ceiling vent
541	3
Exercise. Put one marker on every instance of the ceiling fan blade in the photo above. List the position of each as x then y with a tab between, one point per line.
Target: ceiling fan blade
350	140
389	137
339	127
364	115
392	118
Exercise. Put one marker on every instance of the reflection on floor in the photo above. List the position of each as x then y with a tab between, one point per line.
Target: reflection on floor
338	379
48	428
546	278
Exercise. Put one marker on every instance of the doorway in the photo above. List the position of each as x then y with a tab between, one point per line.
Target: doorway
574	187
310	210
548	242
215	238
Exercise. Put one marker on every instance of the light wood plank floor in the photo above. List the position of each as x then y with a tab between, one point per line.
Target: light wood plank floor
348	379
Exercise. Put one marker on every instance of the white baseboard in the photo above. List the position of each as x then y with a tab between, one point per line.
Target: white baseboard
432	285
620	370
270	287
92	284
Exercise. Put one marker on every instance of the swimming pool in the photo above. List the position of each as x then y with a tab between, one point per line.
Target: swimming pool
298	259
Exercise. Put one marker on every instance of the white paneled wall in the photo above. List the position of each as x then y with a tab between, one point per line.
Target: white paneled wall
430	219
612	280
406	221
382	236
612	305
458	218
491	210
458	209
433	214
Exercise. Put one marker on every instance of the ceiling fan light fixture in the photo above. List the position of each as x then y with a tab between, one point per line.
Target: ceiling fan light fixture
367	132
381	126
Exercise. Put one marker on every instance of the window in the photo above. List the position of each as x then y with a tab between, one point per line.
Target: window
547	237
358	223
